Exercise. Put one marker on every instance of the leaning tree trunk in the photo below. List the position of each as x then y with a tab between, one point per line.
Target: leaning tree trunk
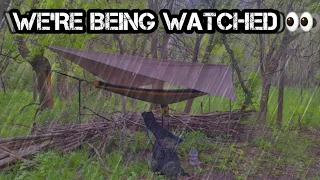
42	67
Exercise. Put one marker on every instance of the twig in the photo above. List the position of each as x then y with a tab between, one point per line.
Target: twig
27	106
97	114
3	85
9	152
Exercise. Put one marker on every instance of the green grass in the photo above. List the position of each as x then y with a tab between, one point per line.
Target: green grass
308	111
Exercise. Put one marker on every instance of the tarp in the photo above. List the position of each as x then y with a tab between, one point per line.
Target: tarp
137	71
156	96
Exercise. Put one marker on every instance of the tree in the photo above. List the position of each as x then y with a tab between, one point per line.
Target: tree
4	6
234	63
42	68
189	103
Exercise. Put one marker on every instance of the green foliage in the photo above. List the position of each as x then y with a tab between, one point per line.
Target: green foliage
254	81
197	140
139	142
17	77
293	147
230	158
262	143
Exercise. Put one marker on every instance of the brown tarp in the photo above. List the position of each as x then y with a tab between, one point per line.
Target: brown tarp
156	96
135	71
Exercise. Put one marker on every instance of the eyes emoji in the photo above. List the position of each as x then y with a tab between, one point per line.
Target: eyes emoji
306	21
292	21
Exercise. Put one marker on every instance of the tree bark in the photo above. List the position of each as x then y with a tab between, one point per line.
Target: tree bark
3	85
116	99
189	103
211	44
154	35
266	84
269	63
42	67
283	63
280	98
143	45
4	6
209	48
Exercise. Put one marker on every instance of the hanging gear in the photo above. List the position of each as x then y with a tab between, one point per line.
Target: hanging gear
165	109
164	155
165	158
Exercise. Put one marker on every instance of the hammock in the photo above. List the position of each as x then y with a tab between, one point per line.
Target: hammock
156	96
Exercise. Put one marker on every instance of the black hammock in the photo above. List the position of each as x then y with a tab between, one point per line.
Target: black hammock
156	96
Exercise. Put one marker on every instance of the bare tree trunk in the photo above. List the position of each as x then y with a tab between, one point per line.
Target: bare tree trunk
3	85
280	98
188	106
283	63
209	48
141	52
42	67
133	53
266	84
154	40
4	6
143	45
269	63
154	47
122	50
119	40
124	104
210	45
134	45
116	99
164	52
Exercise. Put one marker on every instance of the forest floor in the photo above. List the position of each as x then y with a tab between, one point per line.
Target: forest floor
292	153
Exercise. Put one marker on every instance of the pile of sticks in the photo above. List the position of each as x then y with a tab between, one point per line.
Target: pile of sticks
211	123
96	134
63	137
